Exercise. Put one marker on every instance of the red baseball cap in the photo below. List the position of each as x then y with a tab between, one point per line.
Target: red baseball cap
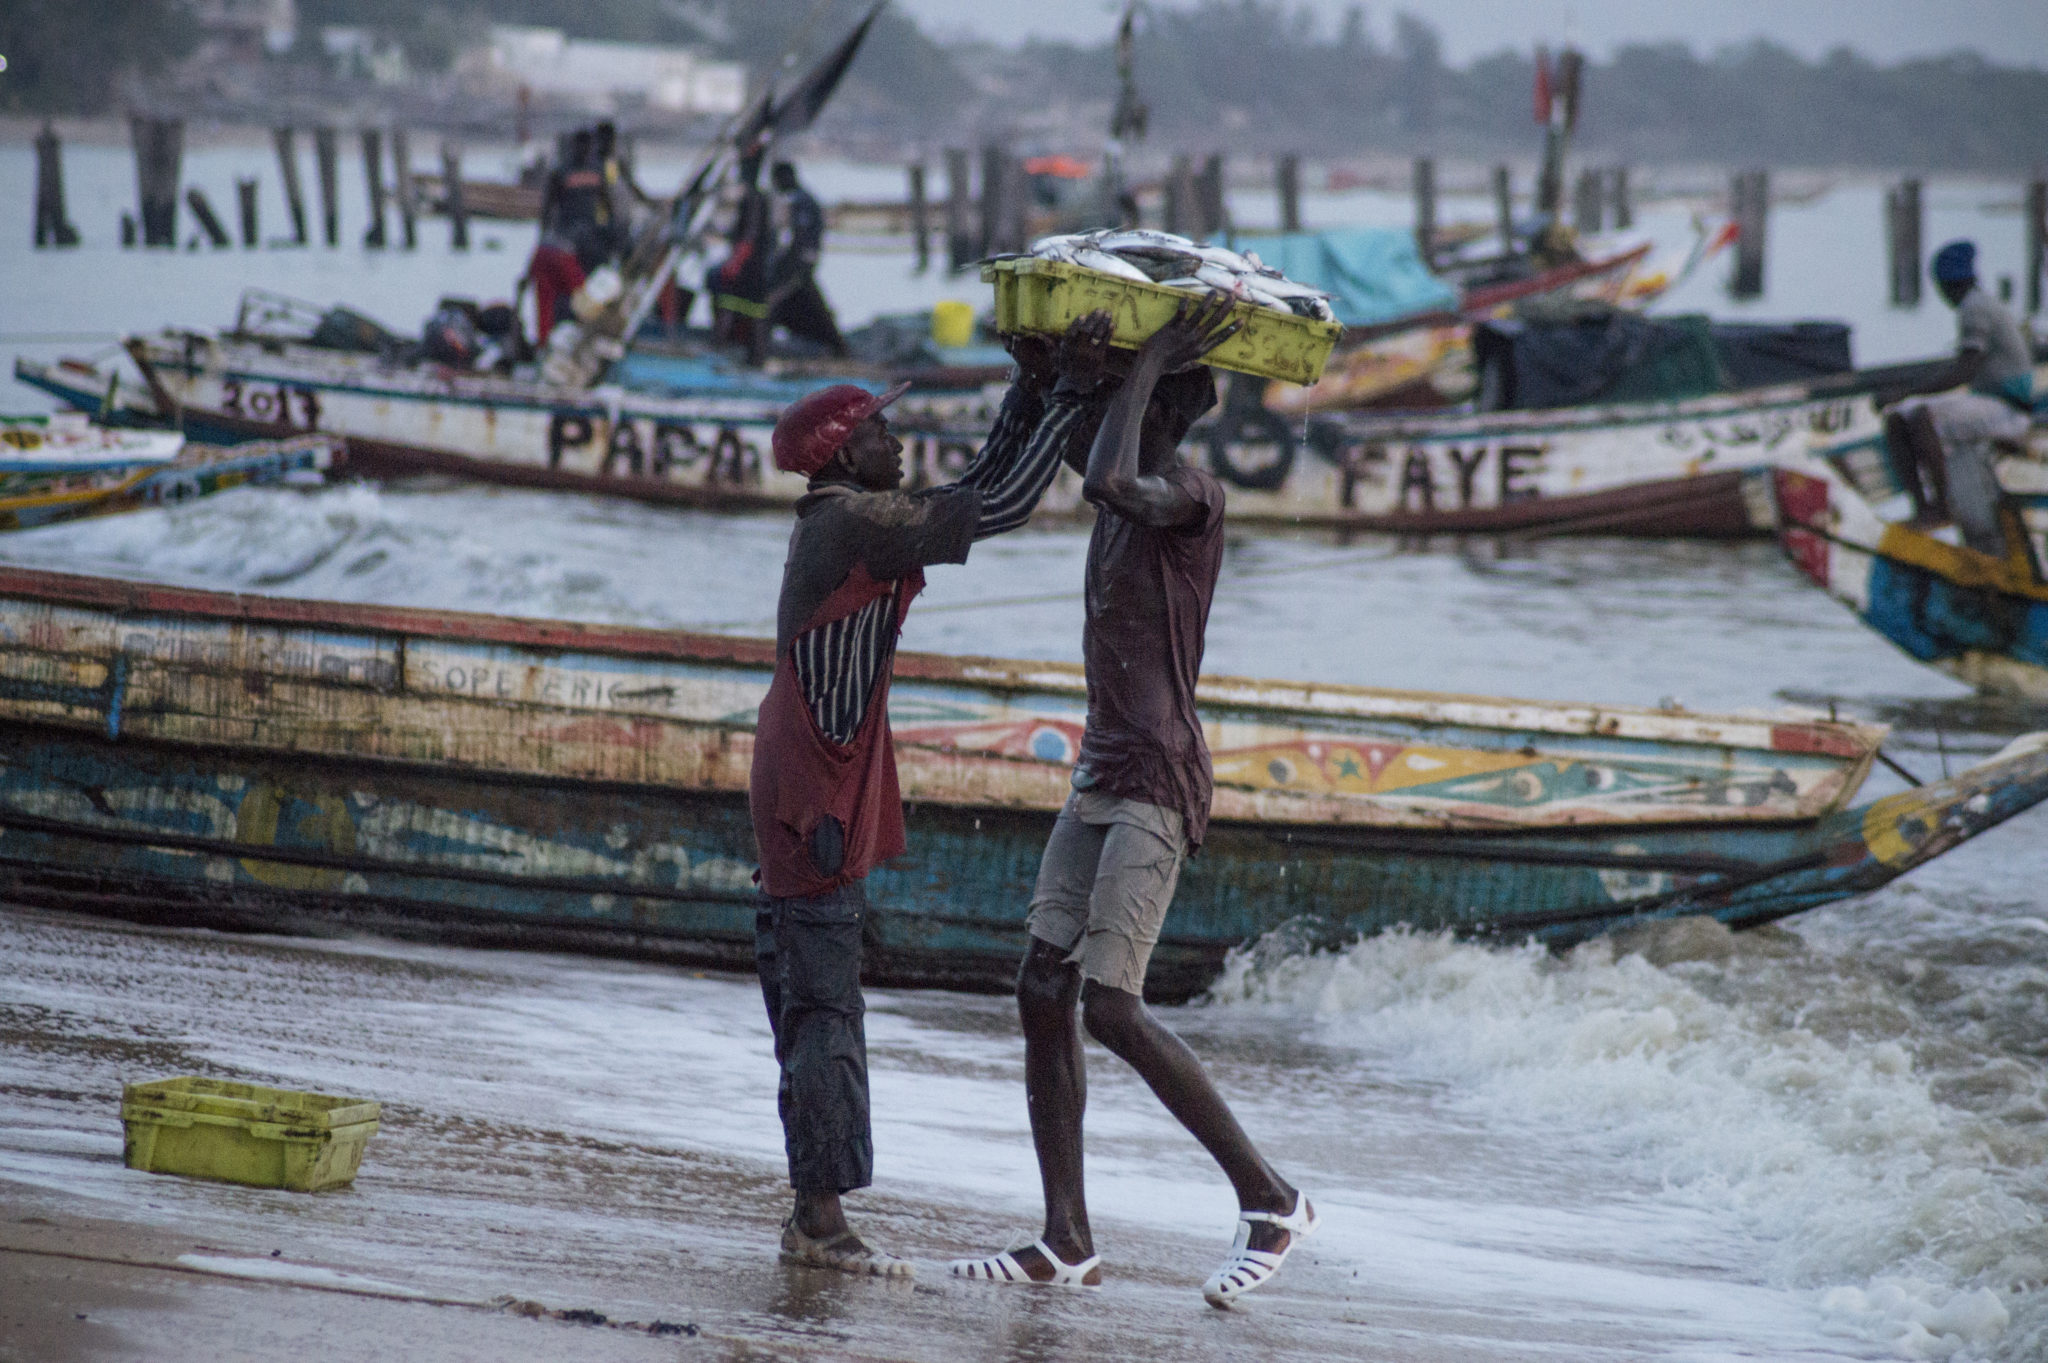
813	428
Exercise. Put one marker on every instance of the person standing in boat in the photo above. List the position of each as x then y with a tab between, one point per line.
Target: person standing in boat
1945	447
823	797
739	284
1139	807
557	268
794	300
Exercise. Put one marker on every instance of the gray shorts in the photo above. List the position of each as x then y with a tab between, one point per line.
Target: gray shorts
1105	883
1971	427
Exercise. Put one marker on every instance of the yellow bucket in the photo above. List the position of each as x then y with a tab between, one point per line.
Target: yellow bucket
245	1133
952	324
1045	296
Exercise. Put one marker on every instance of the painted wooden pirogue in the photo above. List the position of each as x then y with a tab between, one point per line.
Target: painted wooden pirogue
1695	467
197	757
1699	467
51	470
1981	619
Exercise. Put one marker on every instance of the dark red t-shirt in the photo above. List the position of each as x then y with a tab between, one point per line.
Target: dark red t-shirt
1148	608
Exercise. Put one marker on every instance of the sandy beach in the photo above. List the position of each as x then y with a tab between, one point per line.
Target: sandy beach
566	1137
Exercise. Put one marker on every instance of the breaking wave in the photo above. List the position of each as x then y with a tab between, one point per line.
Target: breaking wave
1807	1099
455	548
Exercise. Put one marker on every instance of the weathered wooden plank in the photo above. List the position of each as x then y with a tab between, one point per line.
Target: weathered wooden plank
976	733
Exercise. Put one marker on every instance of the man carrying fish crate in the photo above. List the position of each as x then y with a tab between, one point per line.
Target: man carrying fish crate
1139	807
824	798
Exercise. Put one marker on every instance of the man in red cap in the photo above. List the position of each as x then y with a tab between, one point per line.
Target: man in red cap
825	803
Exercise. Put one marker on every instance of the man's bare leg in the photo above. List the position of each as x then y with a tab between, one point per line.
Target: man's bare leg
1121	1022
1056	1092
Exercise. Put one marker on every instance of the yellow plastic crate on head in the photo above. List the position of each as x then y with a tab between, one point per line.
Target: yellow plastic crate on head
1045	296
245	1133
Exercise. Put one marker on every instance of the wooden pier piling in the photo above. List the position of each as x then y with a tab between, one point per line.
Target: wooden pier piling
1289	177
1588	203
990	230
1751	195
458	212
959	208
1180	194
404	189
1425	206
327	156
159	154
1002	200
1212	212
920	217
373	181
53	225
1504	208
294	192
209	221
245	199
1621	202
2036	254
1015	219
1904	217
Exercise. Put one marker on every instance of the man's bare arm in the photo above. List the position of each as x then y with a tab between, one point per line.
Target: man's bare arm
1113	479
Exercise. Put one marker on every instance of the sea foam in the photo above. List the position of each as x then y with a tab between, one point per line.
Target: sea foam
1903	1216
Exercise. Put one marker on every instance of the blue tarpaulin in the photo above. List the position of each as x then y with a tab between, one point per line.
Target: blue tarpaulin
1372	274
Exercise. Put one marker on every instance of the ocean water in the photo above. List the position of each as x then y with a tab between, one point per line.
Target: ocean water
1824	1141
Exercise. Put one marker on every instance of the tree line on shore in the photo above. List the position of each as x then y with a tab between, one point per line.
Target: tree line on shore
1255	75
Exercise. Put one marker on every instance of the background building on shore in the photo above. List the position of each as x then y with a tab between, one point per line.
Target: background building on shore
603	76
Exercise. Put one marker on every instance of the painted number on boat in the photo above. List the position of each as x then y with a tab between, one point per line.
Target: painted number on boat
262	402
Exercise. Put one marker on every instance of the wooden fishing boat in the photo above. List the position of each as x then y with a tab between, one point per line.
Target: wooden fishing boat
1697	467
702	447
37	491
1981	619
202	758
34	449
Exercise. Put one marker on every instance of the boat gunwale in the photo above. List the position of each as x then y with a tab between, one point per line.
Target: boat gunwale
370	376
1422	427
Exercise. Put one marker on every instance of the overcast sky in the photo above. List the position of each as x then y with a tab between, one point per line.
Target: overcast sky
2011	32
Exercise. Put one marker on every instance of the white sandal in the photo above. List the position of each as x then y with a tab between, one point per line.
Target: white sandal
1004	1268
1246	1268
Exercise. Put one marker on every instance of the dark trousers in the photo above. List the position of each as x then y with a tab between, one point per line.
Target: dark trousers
808	954
801	307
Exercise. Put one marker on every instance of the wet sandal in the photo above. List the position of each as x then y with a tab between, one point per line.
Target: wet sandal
1246	1268
1004	1268
843	1252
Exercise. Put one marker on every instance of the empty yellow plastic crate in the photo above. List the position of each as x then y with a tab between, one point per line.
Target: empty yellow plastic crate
1045	296
245	1133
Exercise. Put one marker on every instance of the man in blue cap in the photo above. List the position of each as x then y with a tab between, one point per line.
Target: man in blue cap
1945	446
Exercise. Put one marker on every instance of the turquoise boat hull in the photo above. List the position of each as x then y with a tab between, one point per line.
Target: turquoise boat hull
136	830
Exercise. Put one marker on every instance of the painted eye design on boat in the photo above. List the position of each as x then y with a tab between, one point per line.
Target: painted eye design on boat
1281	770
1050	745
